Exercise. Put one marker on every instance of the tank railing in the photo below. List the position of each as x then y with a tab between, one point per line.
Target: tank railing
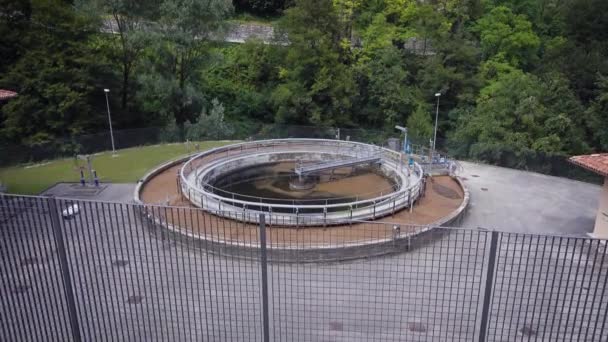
333	200
213	189
274	144
260	200
359	203
240	149
392	155
321	201
379	204
378	210
290	203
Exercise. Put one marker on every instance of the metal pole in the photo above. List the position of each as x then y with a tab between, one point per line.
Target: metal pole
90	166
409	198
264	265
487	298
436	120
430	166
110	120
405	141
65	270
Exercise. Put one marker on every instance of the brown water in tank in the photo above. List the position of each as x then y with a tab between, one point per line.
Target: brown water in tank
272	181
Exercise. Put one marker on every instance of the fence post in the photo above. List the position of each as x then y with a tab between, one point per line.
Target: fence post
409	198
487	298
264	265
65	269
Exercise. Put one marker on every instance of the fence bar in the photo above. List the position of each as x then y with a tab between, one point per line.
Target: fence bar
264	265
457	285
483	331
65	269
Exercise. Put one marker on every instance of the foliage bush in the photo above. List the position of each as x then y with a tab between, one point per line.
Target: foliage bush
519	80
211	126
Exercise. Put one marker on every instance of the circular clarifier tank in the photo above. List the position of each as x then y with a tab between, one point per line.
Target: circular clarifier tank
308	181
278	182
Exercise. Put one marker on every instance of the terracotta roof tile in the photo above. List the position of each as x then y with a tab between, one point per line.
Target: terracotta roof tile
6	94
597	163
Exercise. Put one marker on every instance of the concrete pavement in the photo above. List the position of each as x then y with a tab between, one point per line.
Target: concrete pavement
528	202
503	199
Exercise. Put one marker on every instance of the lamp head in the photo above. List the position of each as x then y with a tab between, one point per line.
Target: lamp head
106	90
437	94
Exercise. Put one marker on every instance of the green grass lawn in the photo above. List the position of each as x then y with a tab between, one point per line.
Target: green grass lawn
128	166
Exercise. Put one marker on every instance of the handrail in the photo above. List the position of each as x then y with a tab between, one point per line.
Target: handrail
270	143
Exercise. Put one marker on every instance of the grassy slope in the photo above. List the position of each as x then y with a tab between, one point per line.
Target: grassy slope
127	167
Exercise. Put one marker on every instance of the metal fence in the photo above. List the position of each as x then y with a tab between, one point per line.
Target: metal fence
11	154
109	273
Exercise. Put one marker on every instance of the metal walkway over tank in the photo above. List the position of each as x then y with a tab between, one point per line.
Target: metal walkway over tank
302	170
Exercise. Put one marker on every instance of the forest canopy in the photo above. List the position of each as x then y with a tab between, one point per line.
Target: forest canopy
519	79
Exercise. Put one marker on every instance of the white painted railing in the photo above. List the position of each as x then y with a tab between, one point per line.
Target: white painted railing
291	212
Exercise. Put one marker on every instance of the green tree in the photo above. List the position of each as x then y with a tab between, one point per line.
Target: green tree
597	116
316	85
390	98
420	126
346	10
244	75
260	7
128	22
510	36
14	21
547	16
59	77
519	113
169	82
209	126
585	53
451	71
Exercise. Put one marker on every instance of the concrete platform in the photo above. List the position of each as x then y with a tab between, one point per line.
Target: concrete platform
105	192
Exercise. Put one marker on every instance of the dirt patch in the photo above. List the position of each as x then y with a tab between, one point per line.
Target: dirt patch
162	188
432	206
445	191
367	184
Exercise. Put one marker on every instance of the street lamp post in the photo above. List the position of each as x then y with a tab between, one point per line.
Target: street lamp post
405	149
106	90
437	95
404	130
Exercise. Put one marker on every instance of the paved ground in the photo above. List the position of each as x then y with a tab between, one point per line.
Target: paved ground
501	198
105	192
133	282
527	202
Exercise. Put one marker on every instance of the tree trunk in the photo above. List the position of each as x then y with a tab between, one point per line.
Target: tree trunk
125	84
181	86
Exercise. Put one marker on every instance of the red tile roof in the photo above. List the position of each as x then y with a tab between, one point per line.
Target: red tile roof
597	163
6	94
